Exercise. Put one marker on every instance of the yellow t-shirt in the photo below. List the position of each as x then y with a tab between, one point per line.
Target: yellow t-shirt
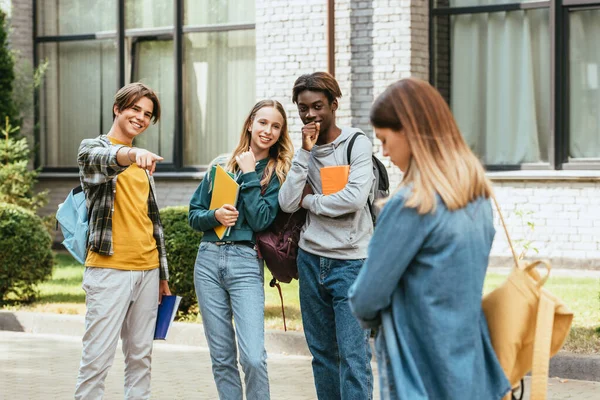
134	246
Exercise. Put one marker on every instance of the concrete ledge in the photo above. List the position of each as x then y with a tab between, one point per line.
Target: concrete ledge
190	334
563	365
575	366
556	262
544	175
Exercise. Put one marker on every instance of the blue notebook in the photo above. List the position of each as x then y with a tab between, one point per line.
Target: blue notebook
167	309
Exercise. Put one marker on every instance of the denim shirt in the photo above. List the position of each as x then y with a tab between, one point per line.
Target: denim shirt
424	274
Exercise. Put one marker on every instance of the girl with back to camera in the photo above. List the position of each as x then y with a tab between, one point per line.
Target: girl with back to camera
228	275
424	274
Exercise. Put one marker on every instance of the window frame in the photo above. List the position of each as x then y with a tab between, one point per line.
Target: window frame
124	69
558	148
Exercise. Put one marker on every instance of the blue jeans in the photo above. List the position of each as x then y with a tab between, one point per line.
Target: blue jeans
340	347
229	283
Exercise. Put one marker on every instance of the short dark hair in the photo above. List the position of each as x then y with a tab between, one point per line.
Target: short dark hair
317	82
129	94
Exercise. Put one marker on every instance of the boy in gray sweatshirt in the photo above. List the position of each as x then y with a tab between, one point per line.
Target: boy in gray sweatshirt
333	243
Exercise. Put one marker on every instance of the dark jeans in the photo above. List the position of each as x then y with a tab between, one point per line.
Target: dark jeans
340	347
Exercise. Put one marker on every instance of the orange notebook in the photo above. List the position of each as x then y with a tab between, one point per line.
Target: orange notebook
225	191
334	178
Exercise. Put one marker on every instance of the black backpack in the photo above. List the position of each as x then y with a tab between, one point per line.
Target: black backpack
382	181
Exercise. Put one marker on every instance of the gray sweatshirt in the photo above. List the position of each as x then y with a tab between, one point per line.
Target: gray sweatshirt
339	225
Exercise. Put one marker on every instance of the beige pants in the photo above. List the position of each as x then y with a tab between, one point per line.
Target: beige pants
118	302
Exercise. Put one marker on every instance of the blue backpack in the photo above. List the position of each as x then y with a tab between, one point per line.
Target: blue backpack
72	216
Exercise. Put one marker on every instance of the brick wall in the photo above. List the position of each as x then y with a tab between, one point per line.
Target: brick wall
566	218
376	43
290	40
441	61
419	39
21	34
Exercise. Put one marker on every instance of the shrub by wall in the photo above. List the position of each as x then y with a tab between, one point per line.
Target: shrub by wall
182	244
17	181
25	253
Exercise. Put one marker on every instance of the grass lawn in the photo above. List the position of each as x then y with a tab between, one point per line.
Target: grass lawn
581	295
63	294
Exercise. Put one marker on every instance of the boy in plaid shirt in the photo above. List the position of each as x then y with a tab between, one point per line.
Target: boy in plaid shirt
126	270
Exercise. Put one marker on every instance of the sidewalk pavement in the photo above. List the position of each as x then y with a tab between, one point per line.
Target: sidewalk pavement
44	367
565	365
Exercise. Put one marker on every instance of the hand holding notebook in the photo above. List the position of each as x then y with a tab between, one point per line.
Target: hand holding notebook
334	178
225	191
167	310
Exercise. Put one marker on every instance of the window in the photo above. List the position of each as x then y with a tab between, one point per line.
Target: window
584	68
76	100
199	55
153	64
75	17
501	66
219	58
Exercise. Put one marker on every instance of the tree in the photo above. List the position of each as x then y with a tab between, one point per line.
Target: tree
17	181
7	75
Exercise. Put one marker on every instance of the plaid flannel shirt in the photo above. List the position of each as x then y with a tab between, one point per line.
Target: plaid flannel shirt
98	171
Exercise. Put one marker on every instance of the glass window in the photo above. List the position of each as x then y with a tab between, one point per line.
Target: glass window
496	77
472	3
72	17
77	94
76	97
153	65
584	84
205	12
149	13
219	90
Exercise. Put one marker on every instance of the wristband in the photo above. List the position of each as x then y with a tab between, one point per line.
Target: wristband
129	158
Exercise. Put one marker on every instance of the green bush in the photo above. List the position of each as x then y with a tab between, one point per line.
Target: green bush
25	253
17	181
182	245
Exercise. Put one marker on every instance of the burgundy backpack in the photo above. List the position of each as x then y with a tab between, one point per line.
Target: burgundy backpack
278	245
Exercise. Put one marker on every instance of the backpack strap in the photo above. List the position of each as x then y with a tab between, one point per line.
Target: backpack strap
276	284
541	348
351	144
348	154
77	190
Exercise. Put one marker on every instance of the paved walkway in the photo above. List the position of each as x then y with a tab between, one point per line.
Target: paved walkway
42	367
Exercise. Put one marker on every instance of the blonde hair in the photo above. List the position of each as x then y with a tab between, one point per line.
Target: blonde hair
280	154
441	161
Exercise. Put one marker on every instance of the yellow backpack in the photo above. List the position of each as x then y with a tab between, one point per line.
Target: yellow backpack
528	325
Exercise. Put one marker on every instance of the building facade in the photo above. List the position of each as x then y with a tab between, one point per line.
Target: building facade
521	77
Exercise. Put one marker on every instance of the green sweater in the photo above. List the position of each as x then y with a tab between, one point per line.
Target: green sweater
257	212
